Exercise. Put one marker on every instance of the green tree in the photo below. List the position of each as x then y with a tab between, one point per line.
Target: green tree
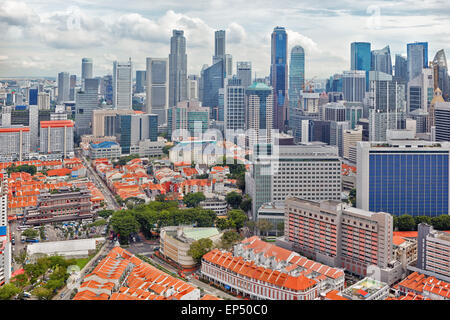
352	197
280	227
42	293
237	217
105	213
20	281
199	248
234	199
193	199
223	224
124	223
422	219
166	149
441	222
246	204
30	233
406	223
264	226
229	238
8	291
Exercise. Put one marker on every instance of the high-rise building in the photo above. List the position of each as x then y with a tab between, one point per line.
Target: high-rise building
296	76
177	68
354	85
401	68
213	80
63	87
86	70
234	104
335	111
380	122
442	121
14	143
5	244
135	128
420	91
441	78
403	176
105	122
86	103
417	58
337	129
279	77
193	83
259	115
381	60
157	96
386	94
140	81
244	72
43	101
311	171
33	96
73	85
219	44
122	84
188	116
56	137
339	235
228	65
350	138
361	58
33	122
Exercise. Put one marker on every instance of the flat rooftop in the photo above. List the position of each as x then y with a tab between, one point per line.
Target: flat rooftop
199	233
364	289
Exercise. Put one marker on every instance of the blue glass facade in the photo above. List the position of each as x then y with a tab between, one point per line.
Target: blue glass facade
414	183
278	74
361	58
213	80
125	133
33	97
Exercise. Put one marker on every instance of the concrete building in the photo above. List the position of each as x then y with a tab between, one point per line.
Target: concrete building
157	88
141	76
420	91
177	68
135	128
441	121
350	138
433	252
234	104
56	137
188	117
105	123
63	87
216	204
106	149
273	212
43	101
367	289
5	244
86	102
259	114
14	143
310	171
122	85
394	176
176	241
244	72
87	65
339	235
69	249
354	85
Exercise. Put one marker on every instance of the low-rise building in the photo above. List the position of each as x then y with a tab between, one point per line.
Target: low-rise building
105	149
367	289
429	287
274	213
217	204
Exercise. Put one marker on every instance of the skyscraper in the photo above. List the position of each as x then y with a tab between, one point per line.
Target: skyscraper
33	96
157	97
213	80
122	85
140	80
381	60
177	68
296	76
73	85
401	68
234	103
417	58
86	103
361	58
244	72
354	85
86	70
259	114
279	77
63	87
5	244
441	79
219	44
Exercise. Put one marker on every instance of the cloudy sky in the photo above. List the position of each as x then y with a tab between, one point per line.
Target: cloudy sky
44	37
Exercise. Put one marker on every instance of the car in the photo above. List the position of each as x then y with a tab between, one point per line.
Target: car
26	294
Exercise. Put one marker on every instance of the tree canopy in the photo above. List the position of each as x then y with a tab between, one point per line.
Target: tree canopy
234	199
192	200
8	291
199	248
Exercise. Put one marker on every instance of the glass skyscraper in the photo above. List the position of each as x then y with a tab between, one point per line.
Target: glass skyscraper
401	68
296	75
177	68
417	58
361	58
279	76
381	60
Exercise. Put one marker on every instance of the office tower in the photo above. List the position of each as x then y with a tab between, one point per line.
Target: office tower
441	79
279	77
87	102
296	76
107	89
309	102
339	235
403	176
401	68
105	122
244	72
381	60
350	138
219	44
441	119
5	245
417	58
386	94
122	85
193	83
420	91
422	118
337	129
433	252
188	115
311	171
335	111
63	87
213	80
361	57
177	68
320	130
353	112
135	128
380	122
56	137
33	122
228	65
86	70
259	115
73	84
140	80
14	143
334	84
219	112
33	96
157	96
354	85
234	104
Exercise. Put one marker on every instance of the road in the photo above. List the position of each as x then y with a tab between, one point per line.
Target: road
110	200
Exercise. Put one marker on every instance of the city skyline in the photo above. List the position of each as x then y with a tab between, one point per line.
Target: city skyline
56	37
